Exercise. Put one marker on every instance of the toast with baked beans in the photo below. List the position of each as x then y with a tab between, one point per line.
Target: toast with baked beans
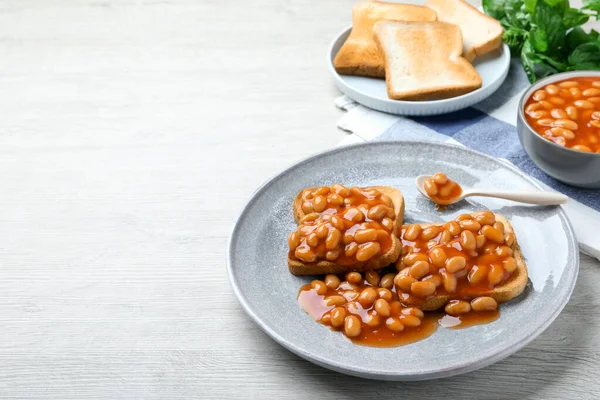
475	255
345	229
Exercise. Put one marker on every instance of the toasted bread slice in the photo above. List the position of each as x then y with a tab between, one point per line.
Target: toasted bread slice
359	54
298	267
508	290
481	33
423	62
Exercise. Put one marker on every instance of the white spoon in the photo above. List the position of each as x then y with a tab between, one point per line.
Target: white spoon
522	196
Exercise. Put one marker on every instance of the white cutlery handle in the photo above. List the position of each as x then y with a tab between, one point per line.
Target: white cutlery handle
522	196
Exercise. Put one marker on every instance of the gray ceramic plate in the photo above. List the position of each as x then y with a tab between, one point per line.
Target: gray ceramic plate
257	260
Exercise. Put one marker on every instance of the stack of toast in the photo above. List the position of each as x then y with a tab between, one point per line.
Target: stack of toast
424	52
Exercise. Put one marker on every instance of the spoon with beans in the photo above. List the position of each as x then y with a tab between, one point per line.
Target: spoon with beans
444	191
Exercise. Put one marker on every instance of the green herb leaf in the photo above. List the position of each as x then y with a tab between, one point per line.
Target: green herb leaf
578	36
575	17
593	5
586	56
530	6
514	38
494	8
548	31
527	63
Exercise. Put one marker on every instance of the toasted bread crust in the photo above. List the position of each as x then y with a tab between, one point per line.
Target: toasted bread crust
423	60
359	55
505	292
298	267
481	32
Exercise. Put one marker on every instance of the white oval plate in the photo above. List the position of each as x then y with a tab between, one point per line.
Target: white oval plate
371	92
258	272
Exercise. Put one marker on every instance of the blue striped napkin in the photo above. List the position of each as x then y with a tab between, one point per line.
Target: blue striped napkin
488	127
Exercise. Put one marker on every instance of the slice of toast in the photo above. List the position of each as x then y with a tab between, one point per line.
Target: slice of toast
359	55
298	267
423	60
481	33
508	290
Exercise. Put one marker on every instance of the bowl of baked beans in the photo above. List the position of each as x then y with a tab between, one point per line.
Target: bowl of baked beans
559	126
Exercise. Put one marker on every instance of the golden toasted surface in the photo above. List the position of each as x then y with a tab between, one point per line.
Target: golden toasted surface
359	55
423	60
481	33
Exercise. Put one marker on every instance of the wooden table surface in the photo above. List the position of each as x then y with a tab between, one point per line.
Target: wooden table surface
131	135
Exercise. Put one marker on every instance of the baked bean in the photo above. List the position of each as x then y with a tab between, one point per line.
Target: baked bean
419	269
430	187
583	104
319	203
595	100
463	217
341	190
367	251
322	231
455	264
338	315
556	101
538	114
468	241
372	277
326	217
509	239
335	199
546	105
335	300
533	107
305	254
404	282
422	289
596	84
387	200
470	225
572	112
338	223
591	92
333	239
504	251
354	277
413	311
560	141
438	257
430	232
558	113
326	318
363	208
388	224
350	295
365	235
309	218
477	274
322	190
352	326
484	304
332	281
351	249
499	225
373	320
545	122
484	217
293	240
387	281
568	84
566	133
385	294
412	232
319	287
552	89
367	297
394	324
492	233
480	241
447	189
307	207
509	265
564	93
446	237
435	279
333	255
449	281
412	258
457	307
377	212
348	237
496	274
595	124
566	123
575	92
539	95
409	320
453	227
382	307
440	178
582	147
354	215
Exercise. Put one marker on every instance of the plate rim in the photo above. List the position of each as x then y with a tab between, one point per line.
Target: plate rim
416	105
432	373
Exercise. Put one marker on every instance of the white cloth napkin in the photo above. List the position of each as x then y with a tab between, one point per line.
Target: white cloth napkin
366	124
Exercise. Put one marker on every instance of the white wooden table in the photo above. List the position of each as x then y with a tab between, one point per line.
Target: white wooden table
131	135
